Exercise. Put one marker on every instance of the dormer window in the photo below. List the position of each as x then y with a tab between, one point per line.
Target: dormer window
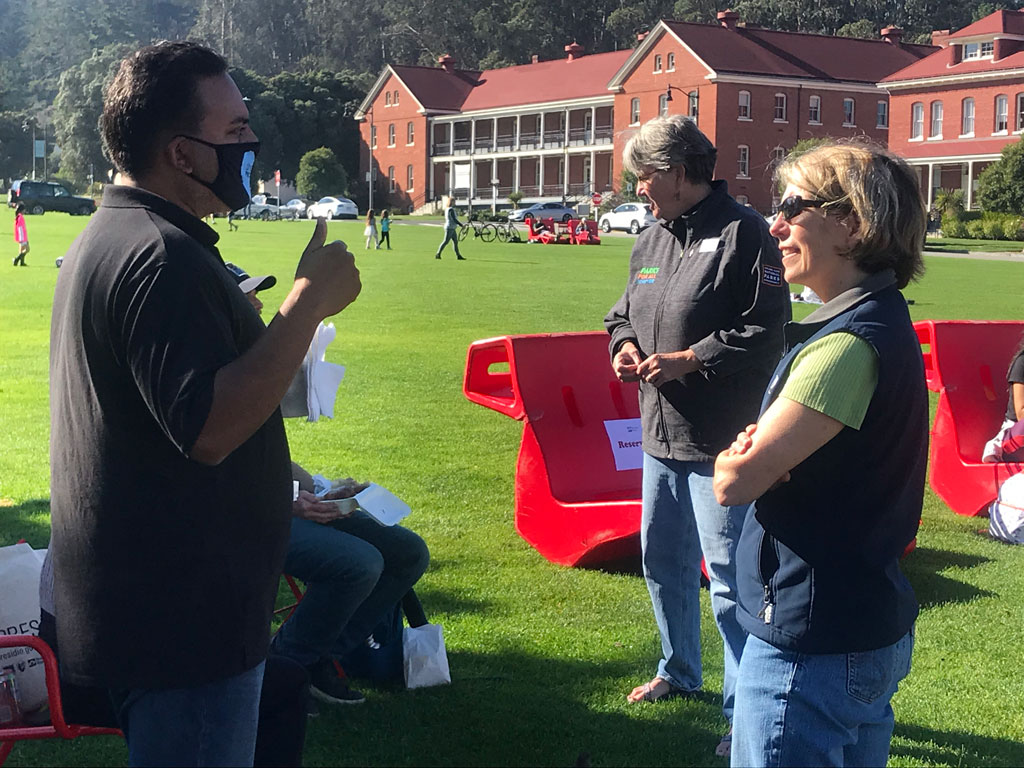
987	49
979	50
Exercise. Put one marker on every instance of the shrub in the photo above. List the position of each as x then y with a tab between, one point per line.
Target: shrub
954	227
976	229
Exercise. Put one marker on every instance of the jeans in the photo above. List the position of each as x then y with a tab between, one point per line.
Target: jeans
450	236
212	724
680	520
355	570
816	709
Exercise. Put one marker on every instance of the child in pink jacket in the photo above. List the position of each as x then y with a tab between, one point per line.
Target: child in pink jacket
20	235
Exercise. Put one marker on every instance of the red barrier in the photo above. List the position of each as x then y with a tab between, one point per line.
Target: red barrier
571	504
966	363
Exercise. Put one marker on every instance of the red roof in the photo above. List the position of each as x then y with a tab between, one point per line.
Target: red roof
556	80
1011	22
937	65
437	89
755	51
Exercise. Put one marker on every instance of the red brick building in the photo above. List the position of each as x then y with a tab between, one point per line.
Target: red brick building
555	130
955	110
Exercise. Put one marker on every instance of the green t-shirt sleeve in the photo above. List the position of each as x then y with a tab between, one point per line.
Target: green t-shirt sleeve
836	376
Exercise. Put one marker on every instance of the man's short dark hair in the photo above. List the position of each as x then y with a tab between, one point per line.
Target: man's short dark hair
155	93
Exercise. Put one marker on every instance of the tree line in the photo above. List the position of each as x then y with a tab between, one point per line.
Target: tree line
306	63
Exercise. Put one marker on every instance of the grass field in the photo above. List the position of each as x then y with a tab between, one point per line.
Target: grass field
963	245
541	656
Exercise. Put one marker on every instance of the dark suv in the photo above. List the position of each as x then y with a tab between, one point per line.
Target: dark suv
41	196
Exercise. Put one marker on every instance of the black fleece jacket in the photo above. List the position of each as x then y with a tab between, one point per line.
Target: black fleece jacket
710	281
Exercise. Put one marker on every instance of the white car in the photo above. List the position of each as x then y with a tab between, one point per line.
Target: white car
332	208
631	217
297	205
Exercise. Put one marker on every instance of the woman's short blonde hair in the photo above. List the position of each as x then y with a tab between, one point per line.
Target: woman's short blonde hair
879	189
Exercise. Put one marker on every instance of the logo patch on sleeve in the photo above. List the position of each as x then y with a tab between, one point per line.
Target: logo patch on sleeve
771	275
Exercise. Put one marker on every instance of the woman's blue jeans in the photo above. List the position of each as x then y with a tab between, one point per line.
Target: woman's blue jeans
798	709
680	520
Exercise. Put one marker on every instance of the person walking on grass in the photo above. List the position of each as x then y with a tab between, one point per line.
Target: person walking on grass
385	228
451	229
20	235
371	230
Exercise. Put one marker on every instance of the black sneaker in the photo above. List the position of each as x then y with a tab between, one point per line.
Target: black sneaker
325	684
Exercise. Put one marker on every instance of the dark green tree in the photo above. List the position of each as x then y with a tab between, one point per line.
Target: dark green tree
320	173
1001	185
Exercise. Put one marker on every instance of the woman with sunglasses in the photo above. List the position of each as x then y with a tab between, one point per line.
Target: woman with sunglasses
835	466
700	327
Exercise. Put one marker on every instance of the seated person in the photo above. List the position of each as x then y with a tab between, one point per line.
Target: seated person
1008	444
581	226
354	568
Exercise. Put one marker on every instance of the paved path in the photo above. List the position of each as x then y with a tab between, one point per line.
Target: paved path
979	255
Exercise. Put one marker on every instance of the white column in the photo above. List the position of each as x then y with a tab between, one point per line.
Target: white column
593	128
565	175
970	185
451	138
931	174
519	119
517	178
593	172
432	169
565	140
472	136
541	145
494	135
472	182
540	171
451	175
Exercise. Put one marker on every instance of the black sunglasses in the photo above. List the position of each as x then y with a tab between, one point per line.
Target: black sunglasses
794	204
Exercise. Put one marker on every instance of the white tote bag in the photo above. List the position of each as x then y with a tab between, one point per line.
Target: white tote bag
1006	513
424	657
20	566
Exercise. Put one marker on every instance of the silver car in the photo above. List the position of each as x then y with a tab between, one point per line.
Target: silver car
555	211
332	208
631	217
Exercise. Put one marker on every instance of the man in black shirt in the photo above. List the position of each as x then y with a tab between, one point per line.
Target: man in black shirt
170	467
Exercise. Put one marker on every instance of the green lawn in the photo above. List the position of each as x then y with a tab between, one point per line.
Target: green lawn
541	656
963	245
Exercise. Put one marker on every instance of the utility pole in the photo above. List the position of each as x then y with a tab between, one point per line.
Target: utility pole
369	171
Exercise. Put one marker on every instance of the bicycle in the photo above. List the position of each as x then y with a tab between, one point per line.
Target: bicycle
507	232
485	232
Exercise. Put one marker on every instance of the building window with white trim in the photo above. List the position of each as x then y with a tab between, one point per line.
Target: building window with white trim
693	105
1019	125
967	117
882	115
849	115
408	179
935	129
742	199
657	63
373	136
917	120
972	51
743	169
780	107
391	178
391	135
1002	120
814	110
988	49
663	105
744	106
394	100
634	112
671	63
778	155
410	133
387	98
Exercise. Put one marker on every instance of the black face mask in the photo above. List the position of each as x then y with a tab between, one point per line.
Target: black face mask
234	166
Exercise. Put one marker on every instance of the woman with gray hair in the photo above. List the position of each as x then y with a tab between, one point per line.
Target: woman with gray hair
835	466
699	326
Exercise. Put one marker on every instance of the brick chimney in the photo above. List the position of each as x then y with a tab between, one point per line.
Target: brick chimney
940	37
447	63
534	59
955	55
640	36
573	50
892	35
1004	47
729	19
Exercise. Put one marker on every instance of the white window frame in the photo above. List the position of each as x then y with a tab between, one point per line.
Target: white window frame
783	105
391	178
391	134
634	112
935	116
663	105
743	162
657	63
987	49
966	115
671	63
387	98
409	178
814	110
693	105
1001	100
373	136
740	106
1019	103
394	101
917	121
410	133
852	121
972	51
882	114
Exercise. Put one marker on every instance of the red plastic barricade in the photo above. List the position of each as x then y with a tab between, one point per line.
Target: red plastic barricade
571	504
966	363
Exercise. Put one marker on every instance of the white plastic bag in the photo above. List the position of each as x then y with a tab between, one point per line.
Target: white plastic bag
20	566
425	659
1006	513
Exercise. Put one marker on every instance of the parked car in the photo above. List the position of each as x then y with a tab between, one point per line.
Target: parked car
266	208
332	208
631	217
299	206
555	211
41	196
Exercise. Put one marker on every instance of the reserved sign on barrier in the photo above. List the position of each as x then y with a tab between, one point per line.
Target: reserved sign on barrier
625	437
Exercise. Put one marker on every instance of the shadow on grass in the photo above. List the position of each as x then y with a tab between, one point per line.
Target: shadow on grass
512	708
928	746
29	520
933	588
436	601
